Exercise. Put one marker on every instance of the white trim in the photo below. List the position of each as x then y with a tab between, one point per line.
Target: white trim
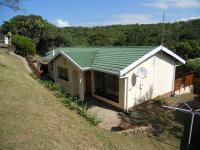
79	67
126	69
151	53
67	57
71	60
173	54
131	66
105	71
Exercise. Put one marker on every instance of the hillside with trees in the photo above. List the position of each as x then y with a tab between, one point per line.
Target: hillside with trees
182	37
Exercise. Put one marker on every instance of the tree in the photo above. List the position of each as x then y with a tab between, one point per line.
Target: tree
98	40
188	49
43	34
12	4
51	38
30	26
136	37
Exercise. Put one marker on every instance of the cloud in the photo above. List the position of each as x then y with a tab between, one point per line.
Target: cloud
134	18
165	4
61	23
125	19
189	18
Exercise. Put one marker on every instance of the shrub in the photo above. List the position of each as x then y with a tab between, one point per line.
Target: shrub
23	45
160	100
193	65
197	87
69	101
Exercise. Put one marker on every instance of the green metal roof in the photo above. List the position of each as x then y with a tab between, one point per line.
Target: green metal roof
107	59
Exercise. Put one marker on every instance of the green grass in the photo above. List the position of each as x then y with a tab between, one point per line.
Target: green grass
31	117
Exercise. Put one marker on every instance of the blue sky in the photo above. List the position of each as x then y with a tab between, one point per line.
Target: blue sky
106	12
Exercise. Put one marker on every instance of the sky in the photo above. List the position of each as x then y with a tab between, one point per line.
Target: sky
63	13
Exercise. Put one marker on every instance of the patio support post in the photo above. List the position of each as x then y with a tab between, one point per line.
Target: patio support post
81	86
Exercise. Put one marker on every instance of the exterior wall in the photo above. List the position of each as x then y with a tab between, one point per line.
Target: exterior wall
159	80
50	72
72	85
121	93
132	90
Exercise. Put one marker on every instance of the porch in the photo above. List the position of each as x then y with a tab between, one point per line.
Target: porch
102	87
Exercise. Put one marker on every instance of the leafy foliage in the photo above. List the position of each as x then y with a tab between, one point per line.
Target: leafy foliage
47	36
193	65
70	102
98	40
43	34
160	100
134	35
23	45
188	49
197	87
31	26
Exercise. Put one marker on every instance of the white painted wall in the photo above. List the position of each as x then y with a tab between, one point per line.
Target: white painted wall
159	80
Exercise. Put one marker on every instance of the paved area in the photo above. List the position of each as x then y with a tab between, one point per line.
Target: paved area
108	114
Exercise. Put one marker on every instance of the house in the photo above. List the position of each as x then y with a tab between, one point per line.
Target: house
120	76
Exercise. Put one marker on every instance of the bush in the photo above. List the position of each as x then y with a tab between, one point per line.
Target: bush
197	87
69	101
23	45
160	100
193	65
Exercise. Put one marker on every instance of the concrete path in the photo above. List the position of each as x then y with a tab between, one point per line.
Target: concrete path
108	114
23	60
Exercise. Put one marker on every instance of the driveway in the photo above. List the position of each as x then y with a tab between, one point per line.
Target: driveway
108	114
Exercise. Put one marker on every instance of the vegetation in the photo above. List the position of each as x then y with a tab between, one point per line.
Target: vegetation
23	45
179	35
69	101
31	117
165	122
188	49
42	34
193	65
160	100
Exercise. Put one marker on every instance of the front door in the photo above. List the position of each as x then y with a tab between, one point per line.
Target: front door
88	82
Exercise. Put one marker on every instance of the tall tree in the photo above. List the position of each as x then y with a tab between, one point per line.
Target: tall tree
98	40
31	26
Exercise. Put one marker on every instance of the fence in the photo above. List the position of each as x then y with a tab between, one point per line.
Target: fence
186	81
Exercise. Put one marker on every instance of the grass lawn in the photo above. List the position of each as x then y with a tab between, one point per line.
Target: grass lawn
32	118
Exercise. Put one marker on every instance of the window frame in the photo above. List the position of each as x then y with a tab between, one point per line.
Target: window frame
63	73
107	90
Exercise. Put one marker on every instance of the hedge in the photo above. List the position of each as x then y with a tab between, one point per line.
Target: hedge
23	45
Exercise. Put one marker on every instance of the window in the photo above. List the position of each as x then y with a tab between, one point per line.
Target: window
107	86
63	73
